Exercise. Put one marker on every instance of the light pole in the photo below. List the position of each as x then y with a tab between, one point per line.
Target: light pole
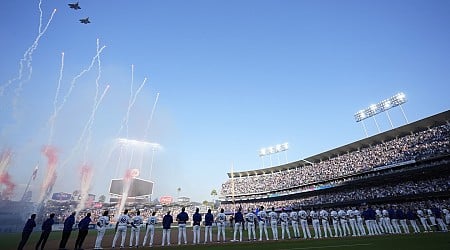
283	147
383	106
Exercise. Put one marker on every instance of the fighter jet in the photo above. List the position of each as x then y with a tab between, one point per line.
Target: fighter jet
85	20
74	6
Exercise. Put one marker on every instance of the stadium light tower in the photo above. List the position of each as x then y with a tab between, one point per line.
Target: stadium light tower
273	150
381	107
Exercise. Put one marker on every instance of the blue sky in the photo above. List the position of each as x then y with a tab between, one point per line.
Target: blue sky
233	76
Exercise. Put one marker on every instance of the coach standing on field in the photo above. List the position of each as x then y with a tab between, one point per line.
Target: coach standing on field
197	218
83	227
46	230
167	222
27	230
67	230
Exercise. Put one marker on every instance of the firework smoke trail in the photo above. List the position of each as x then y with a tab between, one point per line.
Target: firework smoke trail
86	178
5	159
28	55
127	179
127	115
55	101
5	179
147	129
50	177
69	92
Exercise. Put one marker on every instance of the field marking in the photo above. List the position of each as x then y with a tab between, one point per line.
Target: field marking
333	246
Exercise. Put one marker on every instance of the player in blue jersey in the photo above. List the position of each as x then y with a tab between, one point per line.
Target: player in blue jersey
182	218
197	219
46	230
209	219
27	230
167	222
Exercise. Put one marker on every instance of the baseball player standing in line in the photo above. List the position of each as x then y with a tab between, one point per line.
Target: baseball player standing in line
284	221
102	223
336	225
196	218
273	223
294	221
316	224
359	221
121	228
220	221
304	223
27	230
423	220
262	215
343	219
238	221
325	224
209	219
182	218
411	216
136	222
167	222
250	217
151	222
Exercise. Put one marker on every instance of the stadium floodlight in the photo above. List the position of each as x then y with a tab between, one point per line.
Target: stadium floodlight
383	106
269	151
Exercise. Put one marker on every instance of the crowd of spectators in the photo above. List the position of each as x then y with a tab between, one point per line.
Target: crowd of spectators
418	146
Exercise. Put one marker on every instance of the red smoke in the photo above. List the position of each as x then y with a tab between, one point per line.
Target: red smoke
50	178
5	179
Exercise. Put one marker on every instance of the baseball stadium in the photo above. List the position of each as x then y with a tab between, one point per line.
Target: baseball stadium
119	121
401	174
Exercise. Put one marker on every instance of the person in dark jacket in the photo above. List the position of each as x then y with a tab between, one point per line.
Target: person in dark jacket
27	230
167	222
67	230
83	227
209	219
46	230
196	218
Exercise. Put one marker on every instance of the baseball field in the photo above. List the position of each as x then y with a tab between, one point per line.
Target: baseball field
422	241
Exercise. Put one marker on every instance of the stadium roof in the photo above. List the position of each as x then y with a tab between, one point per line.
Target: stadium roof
421	125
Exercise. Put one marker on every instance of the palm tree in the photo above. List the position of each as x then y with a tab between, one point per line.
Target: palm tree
102	198
178	191
213	193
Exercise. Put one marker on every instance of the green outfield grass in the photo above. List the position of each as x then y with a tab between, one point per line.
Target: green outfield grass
423	241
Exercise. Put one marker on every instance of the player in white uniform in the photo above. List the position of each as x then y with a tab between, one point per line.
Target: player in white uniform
220	221
359	222
336	224
250	218
102	223
387	221
432	218
294	221
446	216
379	220
423	220
316	224
352	221
151	222
121	228
343	219
304	223
274	223
136	223
325	224
262	215
284	221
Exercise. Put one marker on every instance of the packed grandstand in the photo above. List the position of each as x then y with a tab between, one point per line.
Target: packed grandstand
404	164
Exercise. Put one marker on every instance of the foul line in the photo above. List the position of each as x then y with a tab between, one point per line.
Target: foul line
333	246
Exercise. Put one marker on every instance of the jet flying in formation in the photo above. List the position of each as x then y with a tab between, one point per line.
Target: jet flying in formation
74	6
85	20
